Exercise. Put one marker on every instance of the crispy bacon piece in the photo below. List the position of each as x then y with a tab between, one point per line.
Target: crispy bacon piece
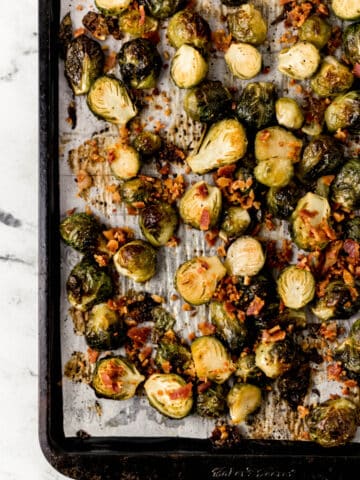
255	306
139	335
205	219
207	328
181	393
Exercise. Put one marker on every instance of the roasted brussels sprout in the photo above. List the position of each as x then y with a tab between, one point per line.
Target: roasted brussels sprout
248	372
96	24
288	113
345	189
174	356
344	112
196	280
311	215
65	35
112	7
162	8
163	322
275	358
132	23
355	334
243	399
81	231
351	229
228	326
245	257
340	301
188	27
351	43
208	102
224	143
299	61
277	142
212	360
316	31
211	402
87	285
158	222
137	190
256	104
169	394
346	9
116	378
333	423
83	63
322	156
140	63
246	24
332	78
104	329
243	60
235	222
348	353
136	260
109	100
188	67
274	172
296	287
294	384
282	201
124	161
147	143
200	206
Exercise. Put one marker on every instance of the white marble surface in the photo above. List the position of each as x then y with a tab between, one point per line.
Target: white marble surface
20	454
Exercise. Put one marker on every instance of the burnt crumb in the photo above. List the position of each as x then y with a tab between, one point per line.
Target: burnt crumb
72	117
225	436
82	434
114	28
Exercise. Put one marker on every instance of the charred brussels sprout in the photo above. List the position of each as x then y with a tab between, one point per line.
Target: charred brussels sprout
224	143
136	260
344	112
247	25
276	142
351	43
137	190
288	113
104	329
282	201
248	371
112	7
81	231
351	229
345	190
294	384
173	356
245	257
211	402
196	280
124	161
163	321
158	223
96	24
316	31
296	287
132	23
162	8
332	78
208	102
243	399
235	222
140	63
200	206
65	35
188	27
340	301
299	61
333	423
83	63
275	358
188	67
256	104
243	60
116	378
212	360
169	394
274	172
322	156
147	143
348	353
87	285
109	100
346	9
228	327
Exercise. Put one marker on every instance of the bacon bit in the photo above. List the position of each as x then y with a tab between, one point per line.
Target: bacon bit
203	386
202	191
173	242
207	328
350	383
84	180
145	353
142	18
275	334
158	299
221	252
255	306
139	335
356	70
187	307
348	278
181	393
220	40
264	136
110	61
191	336
329	331
331	255
328	179
303	411
338	217
93	355
174	297
341	135
79	31
334	371
240	315
226	171
269	224
79	7
102	260
211	237
112	245
70	212
88	210
205	219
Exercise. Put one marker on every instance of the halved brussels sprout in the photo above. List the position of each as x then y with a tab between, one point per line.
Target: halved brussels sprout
112	7
132	23
288	113
162	8
211	402
228	327
87	285
316	31
345	189
333	423
338	302
296	287
344	112
212	360
311	215
243	60
116	378
196	280
245	257
277	142
282	201
256	104
109	100
323	155
208	102
147	143
83	63
275	358
224	143
349	356
136	260
351	229
332	78
351	43
81	231
96	24
188	27
169	394
124	161
246	24
299	61
248	371
188	67
104	329
243	399
137	190
235	222
163	321
200	206
274	172
346	9
158	222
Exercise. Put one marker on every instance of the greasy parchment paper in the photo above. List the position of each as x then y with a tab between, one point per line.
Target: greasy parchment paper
134	417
